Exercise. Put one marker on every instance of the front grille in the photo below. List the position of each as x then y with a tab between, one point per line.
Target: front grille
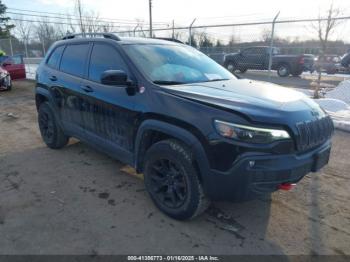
314	133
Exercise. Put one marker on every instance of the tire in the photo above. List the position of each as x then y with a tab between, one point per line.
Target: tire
283	70
331	72
9	83
243	70
297	73
230	66
50	131
172	180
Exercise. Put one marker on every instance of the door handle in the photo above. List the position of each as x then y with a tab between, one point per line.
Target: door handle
53	78
87	89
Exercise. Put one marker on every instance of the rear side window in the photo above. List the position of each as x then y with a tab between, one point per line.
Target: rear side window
73	59
55	57
104	57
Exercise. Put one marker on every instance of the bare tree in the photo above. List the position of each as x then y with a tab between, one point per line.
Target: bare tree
47	33
90	22
79	10
325	28
266	35
71	27
204	40
23	30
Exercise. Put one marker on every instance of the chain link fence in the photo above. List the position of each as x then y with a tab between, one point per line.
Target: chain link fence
239	47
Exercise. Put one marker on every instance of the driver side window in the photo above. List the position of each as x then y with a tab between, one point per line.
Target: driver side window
104	57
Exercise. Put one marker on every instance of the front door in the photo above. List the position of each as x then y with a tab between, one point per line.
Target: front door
253	58
109	115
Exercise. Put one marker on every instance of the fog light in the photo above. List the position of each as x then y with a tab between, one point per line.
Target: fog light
286	186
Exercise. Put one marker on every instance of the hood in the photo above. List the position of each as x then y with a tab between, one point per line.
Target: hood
257	100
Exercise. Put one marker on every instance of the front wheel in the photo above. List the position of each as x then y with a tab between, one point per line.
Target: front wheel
171	180
283	70
231	67
7	83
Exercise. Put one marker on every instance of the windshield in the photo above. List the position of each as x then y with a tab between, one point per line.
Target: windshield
176	64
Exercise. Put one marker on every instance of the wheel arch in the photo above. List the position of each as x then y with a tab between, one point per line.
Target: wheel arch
152	131
41	95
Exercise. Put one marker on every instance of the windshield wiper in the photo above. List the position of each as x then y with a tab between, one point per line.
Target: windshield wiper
217	79
165	82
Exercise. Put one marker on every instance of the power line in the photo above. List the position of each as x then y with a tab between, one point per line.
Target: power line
61	15
77	19
50	22
67	23
243	24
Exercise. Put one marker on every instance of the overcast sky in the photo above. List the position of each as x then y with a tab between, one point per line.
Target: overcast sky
206	12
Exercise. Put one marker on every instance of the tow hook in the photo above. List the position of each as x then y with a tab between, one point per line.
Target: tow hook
286	186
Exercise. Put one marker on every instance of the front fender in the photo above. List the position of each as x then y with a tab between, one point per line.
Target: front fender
179	133
42	92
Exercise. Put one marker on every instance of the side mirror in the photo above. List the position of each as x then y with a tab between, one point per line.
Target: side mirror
114	78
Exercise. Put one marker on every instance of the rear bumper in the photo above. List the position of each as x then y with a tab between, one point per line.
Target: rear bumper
254	174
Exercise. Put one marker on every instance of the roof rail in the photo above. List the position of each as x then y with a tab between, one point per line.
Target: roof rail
169	39
105	35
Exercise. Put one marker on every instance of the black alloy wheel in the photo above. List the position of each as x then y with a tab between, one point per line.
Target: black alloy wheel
168	183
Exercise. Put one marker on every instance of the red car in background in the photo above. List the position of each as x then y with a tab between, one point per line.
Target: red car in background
14	65
5	80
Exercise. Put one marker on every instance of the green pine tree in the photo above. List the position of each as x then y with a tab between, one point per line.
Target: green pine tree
5	26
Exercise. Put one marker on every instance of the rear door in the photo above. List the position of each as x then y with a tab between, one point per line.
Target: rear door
68	82
109	115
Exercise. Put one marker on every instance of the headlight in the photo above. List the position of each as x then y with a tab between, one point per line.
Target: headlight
250	134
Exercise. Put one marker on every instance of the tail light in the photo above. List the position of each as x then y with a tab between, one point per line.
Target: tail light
301	60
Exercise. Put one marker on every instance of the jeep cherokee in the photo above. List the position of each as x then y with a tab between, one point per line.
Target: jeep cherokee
194	130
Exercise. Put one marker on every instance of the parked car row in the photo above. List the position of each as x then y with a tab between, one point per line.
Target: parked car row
258	57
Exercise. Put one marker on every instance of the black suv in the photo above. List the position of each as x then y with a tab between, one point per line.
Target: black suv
195	131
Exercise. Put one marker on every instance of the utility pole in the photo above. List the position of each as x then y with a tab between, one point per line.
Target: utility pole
271	43
150	19
173	29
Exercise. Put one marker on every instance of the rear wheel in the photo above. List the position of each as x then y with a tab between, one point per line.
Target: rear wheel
51	132
283	70
171	180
